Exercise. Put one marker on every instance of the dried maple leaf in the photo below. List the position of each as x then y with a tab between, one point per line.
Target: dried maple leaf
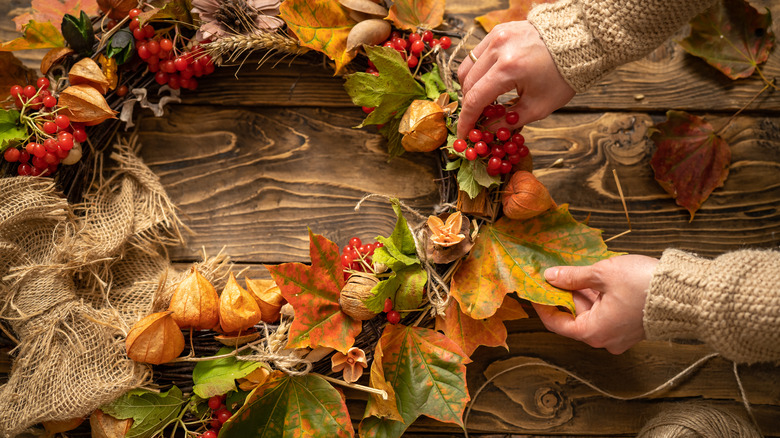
511	256
470	333
411	14
732	37
322	25
52	11
313	291
691	160
517	11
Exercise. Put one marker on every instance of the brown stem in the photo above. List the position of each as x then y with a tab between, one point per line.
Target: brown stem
734	116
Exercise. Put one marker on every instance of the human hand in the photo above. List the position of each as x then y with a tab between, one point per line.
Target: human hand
511	57
609	298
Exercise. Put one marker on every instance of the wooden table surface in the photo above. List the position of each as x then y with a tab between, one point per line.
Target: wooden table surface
252	162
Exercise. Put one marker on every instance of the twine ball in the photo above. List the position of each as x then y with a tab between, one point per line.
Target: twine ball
697	421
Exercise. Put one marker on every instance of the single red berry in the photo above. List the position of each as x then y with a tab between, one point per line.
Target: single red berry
518	139
166	45
42	83
37	150
489	112
65	139
481	148
80	135
494	163
445	42
427	36
161	77
39	162
139	34
223	415
143	51
475	135
510	148
514	158
29	91
434	42
471	154
418	46
49	127
153	46
50	158
24	169
49	101
12	155
347	259
500	110
215	402
134	24
122	90
148	31
393	317
368	109
209	434
16	90
503	134
388	305
460	144
506	167
215	424
61	153
355	242
51	145
168	66
24	156
487	136
523	151
494	172
512	117
181	63
498	151
134	13
173	81
62	121
412	61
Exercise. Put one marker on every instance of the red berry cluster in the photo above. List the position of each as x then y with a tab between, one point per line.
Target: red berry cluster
356	256
220	415
178	70
53	134
393	316
502	149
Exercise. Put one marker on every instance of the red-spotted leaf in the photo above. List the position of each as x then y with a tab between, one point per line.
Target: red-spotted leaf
470	333
511	256
36	36
427	372
322	25
52	11
313	291
411	14
690	160
291	407
732	36
517	10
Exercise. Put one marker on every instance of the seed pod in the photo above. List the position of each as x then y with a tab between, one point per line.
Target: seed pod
525	196
355	293
423	126
238	310
353	363
155	339
84	104
268	297
371	32
195	303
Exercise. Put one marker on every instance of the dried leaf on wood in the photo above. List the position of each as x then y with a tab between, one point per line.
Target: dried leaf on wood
691	160
732	36
84	104
411	14
291	406
53	10
12	72
427	372
322	25
517	11
511	256
470	333
313	291
36	36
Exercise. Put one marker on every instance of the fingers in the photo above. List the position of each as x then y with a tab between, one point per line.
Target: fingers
482	94
556	321
574	277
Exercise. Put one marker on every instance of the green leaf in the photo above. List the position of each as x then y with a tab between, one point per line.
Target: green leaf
399	250
732	36
511	256
78	33
427	371
473	176
218	376
434	85
390	132
36	36
390	93
290	407
453	165
121	46
404	287
150	411
11	129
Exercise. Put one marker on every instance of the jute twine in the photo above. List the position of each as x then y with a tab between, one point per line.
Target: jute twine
73	279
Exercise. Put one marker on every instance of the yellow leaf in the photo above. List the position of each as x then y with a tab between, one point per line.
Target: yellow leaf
36	36
517	11
411	14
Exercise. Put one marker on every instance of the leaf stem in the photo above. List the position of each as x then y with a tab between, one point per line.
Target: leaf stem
734	116
364	388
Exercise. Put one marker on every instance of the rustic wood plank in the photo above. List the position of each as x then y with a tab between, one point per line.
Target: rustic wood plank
252	180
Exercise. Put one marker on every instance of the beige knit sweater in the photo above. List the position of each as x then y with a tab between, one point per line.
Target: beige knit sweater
732	303
589	38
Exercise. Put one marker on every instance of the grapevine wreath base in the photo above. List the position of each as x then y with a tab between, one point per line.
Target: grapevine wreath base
94	306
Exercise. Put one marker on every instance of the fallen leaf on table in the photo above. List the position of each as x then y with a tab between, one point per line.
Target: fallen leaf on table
53	10
13	72
517	11
36	36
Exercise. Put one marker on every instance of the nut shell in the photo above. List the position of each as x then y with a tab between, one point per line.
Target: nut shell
355	293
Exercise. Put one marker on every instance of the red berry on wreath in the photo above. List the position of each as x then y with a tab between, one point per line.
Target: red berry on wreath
475	135
209	434
512	117
393	317
459	145
503	134
388	305
471	154
12	155
445	42
223	415
215	402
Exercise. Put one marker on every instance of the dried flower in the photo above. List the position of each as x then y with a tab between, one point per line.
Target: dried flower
195	303
155	339
446	233
268	296
238	310
226	17
353	363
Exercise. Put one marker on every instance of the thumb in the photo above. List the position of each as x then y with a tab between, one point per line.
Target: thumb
556	321
573	277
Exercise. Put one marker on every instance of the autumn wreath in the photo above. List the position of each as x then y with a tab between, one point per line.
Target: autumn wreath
94	305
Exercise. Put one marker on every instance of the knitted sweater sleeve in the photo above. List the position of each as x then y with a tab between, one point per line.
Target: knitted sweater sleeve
589	38
731	302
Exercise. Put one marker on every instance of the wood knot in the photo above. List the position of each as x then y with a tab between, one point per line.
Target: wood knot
548	400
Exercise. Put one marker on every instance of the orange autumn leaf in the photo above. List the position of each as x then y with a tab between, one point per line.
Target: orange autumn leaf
12	72
322	25
411	14
52	11
84	104
36	36
517	11
470	333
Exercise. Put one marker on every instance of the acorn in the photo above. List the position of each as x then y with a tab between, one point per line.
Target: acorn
355	293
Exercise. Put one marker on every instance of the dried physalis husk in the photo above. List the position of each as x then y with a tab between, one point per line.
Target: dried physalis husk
195	303
355	293
61	426
238	310
268	296
53	57
254	379
423	126
103	425
85	104
524	196
353	363
446	233
155	339
88	72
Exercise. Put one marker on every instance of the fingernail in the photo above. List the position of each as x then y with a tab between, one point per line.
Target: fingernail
551	274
